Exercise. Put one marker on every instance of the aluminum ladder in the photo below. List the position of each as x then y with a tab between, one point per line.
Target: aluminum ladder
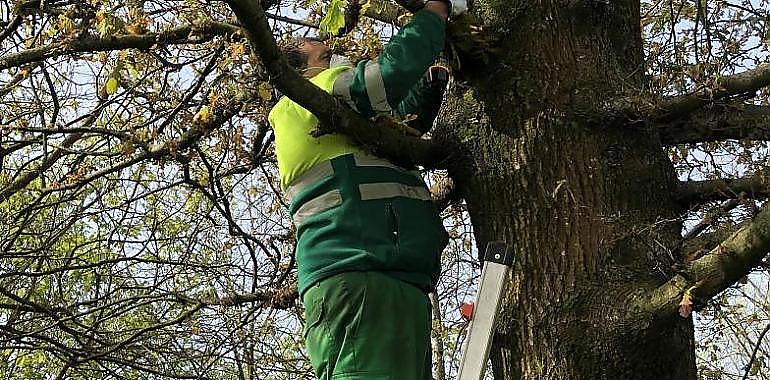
498	260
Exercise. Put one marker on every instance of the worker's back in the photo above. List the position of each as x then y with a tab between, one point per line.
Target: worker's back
295	149
369	237
353	212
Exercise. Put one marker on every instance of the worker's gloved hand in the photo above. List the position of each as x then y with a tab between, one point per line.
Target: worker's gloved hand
456	7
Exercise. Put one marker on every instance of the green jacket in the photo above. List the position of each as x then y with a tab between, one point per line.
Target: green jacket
392	85
355	212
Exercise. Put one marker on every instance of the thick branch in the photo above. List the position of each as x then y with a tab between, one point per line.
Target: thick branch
707	276
728	122
634	109
205	31
696	247
724	87
333	115
696	192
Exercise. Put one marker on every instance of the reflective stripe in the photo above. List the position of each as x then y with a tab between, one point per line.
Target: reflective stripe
367	160
383	190
324	169
316	205
318	172
375	88
342	87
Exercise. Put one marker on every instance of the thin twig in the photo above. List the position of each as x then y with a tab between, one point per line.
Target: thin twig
754	353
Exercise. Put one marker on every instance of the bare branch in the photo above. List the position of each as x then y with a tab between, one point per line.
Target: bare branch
198	130
23	73
292	21
725	87
696	192
754	352
12	26
333	115
181	317
707	276
25	180
277	298
204	31
709	219
724	122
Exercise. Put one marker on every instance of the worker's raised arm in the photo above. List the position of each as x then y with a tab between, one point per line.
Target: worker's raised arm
378	86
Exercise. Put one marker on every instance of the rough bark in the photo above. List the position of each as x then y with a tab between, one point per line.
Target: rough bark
588	207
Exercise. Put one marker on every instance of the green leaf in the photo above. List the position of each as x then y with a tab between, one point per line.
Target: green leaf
112	85
335	17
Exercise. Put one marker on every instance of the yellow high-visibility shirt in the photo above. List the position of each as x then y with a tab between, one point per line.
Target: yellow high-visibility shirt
296	150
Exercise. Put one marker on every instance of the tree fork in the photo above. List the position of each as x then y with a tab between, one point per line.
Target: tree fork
712	273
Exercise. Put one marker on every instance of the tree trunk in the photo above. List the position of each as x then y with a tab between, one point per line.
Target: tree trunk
590	209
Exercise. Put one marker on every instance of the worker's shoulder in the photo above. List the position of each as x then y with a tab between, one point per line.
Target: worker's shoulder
324	80
280	106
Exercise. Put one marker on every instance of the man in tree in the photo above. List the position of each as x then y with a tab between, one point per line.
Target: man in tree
368	236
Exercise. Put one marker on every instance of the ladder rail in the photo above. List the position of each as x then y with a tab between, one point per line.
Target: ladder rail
497	265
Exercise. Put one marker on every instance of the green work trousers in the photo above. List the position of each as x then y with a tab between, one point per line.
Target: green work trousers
366	325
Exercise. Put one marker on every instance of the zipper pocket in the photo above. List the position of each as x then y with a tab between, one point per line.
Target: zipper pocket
393	216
